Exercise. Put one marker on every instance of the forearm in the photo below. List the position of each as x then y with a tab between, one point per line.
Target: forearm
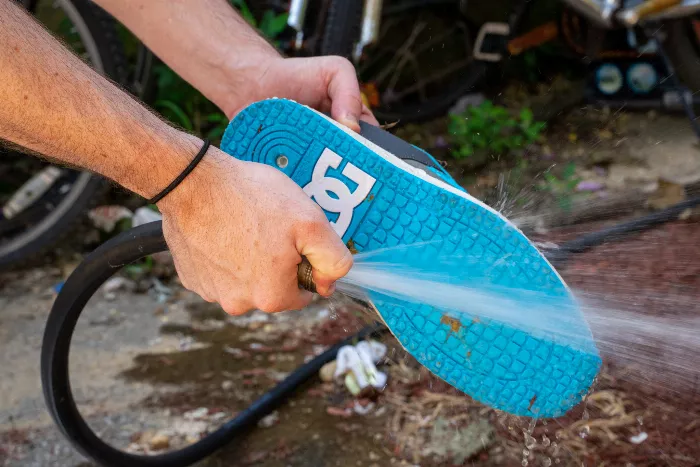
204	41
54	104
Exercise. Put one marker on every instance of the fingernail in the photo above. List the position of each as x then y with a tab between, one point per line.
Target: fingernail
351	122
331	289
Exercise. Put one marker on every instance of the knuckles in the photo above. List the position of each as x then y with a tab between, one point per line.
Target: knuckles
271	304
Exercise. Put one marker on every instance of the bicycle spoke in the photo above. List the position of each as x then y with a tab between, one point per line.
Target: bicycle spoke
452	68
400	53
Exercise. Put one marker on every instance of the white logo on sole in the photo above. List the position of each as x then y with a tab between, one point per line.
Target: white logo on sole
344	205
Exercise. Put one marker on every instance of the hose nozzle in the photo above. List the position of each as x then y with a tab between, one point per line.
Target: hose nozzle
305	275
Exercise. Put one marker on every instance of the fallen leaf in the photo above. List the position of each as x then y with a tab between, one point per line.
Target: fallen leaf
339	412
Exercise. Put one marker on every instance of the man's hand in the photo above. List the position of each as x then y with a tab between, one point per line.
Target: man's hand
216	51
328	84
237	231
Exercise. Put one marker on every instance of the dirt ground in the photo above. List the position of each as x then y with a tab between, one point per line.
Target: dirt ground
154	371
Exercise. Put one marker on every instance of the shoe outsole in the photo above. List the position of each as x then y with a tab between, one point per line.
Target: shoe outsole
494	363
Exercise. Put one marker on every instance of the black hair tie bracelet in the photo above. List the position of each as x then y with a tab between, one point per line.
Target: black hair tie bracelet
181	177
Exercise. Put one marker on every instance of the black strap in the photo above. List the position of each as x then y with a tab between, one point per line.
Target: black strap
395	145
181	177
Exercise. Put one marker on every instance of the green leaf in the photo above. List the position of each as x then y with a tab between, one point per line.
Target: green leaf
277	25
569	171
245	12
217	118
216	133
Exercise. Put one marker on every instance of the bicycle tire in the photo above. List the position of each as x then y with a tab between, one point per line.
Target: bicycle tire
342	28
107	56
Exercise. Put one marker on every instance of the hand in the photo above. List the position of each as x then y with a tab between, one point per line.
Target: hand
327	84
237	231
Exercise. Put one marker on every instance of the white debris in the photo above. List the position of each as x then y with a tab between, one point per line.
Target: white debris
640	438
115	284
268	421
360	361
363	409
196	414
144	216
189	428
464	102
227	385
106	218
234	351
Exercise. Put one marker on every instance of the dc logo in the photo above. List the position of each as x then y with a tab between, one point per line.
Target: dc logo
345	202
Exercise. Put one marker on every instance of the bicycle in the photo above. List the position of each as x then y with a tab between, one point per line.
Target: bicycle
40	202
417	57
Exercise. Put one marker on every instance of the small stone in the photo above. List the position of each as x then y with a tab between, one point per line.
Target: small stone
159	442
327	371
227	385
339	412
192	429
268	421
196	414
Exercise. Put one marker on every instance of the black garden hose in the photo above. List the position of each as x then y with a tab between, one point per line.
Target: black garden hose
99	266
587	241
148	239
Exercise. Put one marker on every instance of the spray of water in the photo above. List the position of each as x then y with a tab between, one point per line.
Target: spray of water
663	350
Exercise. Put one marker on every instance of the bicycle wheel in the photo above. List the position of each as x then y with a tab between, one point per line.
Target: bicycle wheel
421	62
26	234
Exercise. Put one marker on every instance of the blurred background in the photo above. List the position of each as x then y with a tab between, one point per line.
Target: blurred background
566	121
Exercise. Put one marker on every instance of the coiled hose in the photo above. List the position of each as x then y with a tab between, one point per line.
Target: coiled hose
99	266
148	239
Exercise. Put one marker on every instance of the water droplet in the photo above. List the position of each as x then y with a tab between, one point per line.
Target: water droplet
526	452
585	431
555	449
524	463
532	424
640	419
545	441
546	462
556	461
586	415
530	442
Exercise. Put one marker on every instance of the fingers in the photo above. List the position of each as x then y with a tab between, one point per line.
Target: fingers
329	257
344	92
280	290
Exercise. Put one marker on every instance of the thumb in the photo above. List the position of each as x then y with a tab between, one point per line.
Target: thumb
329	257
344	92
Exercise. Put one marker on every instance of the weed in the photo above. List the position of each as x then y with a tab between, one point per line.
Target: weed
492	129
561	187
186	107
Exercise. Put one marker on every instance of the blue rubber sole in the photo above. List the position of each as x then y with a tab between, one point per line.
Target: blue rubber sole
378	203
